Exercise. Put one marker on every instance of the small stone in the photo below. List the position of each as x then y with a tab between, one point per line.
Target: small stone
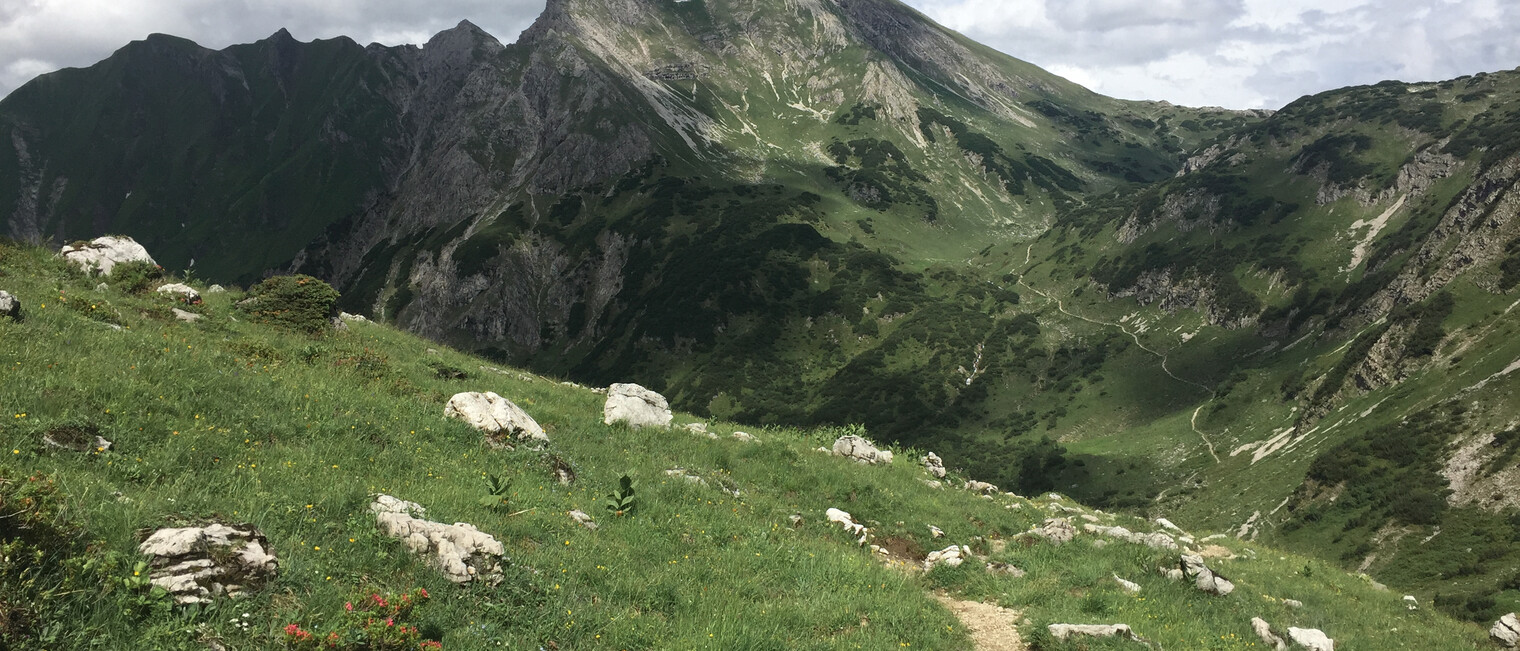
188	317
1411	602
1128	586
585	520
216	289
744	437
1293	603
980	487
995	567
936	532
796	520
951	556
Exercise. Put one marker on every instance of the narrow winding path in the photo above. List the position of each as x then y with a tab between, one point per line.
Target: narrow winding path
1060	305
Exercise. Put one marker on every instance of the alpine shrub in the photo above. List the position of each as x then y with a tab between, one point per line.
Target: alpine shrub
297	302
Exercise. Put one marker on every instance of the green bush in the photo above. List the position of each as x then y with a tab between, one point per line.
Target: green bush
135	277
297	302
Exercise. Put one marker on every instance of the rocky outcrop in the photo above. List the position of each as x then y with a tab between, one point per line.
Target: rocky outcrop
1154	540
934	465
980	487
102	254
854	447
1312	639
1204	579
504	423
1506	631
195	564
1188	290
10	306
460	551
636	406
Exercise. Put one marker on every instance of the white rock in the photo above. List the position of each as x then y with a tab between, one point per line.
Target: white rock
934	465
1167	524
981	487
744	437
1057	530
933	483
460	551
861	450
1312	639
951	556
103	254
936	532
189	317
10	306
197	563
503	422
1172	574
1064	632
635	405
995	567
682	473
585	520
1128	586
1293	603
182	291
1411	602
1506	631
1156	540
850	525
1204	578
345	316
1268	638
216	289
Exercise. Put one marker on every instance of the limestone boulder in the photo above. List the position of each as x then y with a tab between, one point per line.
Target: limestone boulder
934	465
195	564
504	423
460	551
981	487
1312	639
854	447
1204	579
636	406
181	292
10	306
1506	631
102	254
1264	632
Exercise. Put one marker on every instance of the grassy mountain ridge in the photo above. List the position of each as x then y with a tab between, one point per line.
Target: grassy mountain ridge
322	422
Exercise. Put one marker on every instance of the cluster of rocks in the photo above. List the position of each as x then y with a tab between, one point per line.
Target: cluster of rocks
460	551
1312	639
1506	631
850	525
1203	577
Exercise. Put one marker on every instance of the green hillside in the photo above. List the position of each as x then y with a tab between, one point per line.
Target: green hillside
224	419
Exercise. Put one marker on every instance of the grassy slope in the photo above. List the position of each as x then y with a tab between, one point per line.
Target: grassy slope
238	421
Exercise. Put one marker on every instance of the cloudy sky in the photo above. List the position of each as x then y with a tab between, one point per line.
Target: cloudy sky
1234	53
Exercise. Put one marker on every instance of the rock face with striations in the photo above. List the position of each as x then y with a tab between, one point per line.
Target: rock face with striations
460	551
102	254
635	405
197	563
504	423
